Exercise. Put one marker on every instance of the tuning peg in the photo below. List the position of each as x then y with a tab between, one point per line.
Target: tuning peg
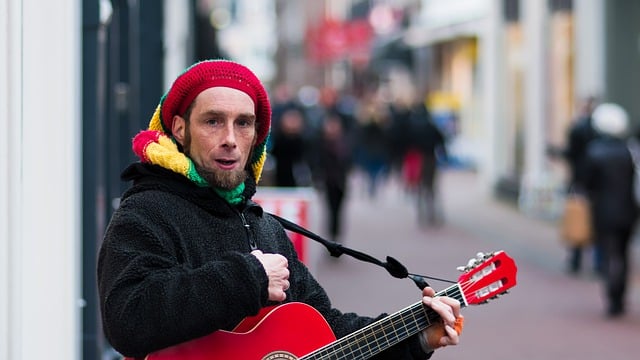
470	265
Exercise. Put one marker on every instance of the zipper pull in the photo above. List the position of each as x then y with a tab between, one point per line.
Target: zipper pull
247	228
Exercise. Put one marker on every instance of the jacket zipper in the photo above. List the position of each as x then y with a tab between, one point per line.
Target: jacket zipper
247	228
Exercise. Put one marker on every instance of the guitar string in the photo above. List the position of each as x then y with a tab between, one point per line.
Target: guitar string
353	350
431	315
354	340
392	324
402	332
359	336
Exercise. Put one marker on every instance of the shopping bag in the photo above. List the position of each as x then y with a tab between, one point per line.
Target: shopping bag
576	227
412	168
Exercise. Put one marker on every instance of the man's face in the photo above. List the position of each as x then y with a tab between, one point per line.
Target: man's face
219	135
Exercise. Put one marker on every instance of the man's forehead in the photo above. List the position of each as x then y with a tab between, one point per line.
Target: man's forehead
221	97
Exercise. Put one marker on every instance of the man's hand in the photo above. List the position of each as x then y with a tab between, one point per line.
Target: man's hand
276	267
448	330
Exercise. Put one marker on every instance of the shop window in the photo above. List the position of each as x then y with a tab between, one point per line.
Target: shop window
560	5
511	10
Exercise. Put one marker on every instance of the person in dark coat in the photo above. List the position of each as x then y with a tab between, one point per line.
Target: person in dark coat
188	252
427	144
373	144
609	174
580	134
331	170
290	147
400	116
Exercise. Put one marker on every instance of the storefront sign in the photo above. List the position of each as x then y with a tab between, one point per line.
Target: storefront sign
295	205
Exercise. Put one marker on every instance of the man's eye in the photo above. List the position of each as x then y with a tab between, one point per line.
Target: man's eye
213	122
245	123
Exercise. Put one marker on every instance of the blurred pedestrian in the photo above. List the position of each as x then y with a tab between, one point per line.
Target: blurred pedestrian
289	147
580	134
426	145
373	142
609	175
283	99
343	105
400	114
331	170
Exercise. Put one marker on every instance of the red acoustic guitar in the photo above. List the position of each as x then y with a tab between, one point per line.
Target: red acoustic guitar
297	331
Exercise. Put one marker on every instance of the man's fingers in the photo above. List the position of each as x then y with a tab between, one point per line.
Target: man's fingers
428	291
445	307
452	337
453	303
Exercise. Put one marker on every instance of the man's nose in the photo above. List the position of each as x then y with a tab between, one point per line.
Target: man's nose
229	134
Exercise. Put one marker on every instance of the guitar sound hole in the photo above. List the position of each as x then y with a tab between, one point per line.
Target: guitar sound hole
280	355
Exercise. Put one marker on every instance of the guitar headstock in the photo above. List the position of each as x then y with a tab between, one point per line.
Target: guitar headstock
486	276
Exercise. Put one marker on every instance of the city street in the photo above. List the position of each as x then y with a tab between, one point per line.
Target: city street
548	315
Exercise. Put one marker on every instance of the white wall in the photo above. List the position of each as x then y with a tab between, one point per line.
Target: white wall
534	23
177	40
492	87
590	50
40	179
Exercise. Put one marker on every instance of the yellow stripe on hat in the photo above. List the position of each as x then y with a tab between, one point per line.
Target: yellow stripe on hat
166	154
155	123
257	166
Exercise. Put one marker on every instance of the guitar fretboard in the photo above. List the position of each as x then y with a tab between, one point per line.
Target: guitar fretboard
384	333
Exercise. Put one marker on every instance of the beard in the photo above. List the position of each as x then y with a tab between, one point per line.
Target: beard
227	180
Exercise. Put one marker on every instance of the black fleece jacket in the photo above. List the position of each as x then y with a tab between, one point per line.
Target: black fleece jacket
175	265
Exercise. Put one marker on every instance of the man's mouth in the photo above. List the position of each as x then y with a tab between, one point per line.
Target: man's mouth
226	164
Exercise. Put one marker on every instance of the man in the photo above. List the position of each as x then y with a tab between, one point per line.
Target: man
188	253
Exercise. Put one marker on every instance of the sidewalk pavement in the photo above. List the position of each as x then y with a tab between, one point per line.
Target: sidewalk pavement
548	315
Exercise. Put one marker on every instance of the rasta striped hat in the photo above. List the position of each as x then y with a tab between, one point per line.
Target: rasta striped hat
187	86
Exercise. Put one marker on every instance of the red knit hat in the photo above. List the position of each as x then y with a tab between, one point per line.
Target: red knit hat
212	73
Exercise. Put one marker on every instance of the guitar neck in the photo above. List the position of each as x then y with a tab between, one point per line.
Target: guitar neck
386	332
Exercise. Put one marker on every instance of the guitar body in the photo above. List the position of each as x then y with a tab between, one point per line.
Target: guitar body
286	332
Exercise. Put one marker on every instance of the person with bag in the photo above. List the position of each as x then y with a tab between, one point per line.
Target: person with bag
576	227
609	174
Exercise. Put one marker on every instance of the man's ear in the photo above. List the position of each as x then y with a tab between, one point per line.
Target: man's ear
178	128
